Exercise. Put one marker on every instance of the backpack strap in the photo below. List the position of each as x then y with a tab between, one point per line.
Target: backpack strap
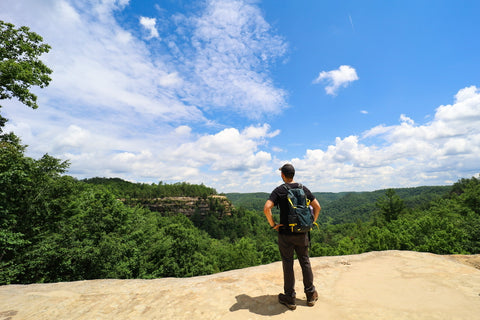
286	186
300	186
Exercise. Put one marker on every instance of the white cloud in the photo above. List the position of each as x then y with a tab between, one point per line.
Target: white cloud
183	130
150	25
232	47
438	152
98	63
229	156
336	79
227	150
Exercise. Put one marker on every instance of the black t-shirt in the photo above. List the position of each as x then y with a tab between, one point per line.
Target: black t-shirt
279	197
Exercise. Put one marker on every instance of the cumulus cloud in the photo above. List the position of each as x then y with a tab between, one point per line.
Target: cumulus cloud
228	150
229	156
150	25
336	79
408	154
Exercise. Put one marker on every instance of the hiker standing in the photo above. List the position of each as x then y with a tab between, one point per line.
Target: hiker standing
290	241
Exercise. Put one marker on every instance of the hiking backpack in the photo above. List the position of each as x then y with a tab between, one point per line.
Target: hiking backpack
300	217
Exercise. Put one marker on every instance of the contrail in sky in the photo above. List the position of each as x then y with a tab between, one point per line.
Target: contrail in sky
351	22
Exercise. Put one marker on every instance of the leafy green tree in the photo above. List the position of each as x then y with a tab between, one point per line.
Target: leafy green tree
32	197
391	206
20	66
90	239
270	252
470	194
20	69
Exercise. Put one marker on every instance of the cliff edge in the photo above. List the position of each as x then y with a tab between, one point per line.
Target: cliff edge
374	285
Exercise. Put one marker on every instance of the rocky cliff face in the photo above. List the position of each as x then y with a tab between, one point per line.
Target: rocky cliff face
216	205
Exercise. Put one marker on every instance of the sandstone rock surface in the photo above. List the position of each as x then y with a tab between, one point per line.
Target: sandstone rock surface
375	285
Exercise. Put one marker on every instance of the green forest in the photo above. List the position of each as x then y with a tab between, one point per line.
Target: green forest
54	227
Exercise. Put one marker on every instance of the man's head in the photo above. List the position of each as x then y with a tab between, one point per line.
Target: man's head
288	171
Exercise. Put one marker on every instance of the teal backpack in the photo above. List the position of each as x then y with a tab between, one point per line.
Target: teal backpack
300	217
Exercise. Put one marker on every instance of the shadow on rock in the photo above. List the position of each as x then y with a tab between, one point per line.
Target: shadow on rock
263	305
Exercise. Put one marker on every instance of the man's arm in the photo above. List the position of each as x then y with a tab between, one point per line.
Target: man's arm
316	209
267	210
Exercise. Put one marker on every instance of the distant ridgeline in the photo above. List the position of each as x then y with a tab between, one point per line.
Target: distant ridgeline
190	199
347	207
182	197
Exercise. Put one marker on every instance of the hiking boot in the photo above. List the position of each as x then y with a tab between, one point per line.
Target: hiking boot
289	302
311	298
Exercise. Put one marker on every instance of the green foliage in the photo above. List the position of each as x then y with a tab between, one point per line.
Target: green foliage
132	192
20	66
249	201
348	207
20	69
177	250
447	225
391	206
56	228
241	223
30	193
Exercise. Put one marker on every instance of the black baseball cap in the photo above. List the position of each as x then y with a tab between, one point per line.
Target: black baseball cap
287	169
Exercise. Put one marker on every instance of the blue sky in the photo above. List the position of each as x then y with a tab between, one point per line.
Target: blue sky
358	95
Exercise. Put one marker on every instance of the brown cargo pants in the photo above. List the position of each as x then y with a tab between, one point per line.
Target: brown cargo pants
298	243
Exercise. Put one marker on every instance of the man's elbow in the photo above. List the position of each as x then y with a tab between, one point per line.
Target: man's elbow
268	206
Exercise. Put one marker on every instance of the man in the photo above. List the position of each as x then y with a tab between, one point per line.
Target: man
289	242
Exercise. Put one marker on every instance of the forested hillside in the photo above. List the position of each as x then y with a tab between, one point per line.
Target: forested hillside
54	227
346	207
57	228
